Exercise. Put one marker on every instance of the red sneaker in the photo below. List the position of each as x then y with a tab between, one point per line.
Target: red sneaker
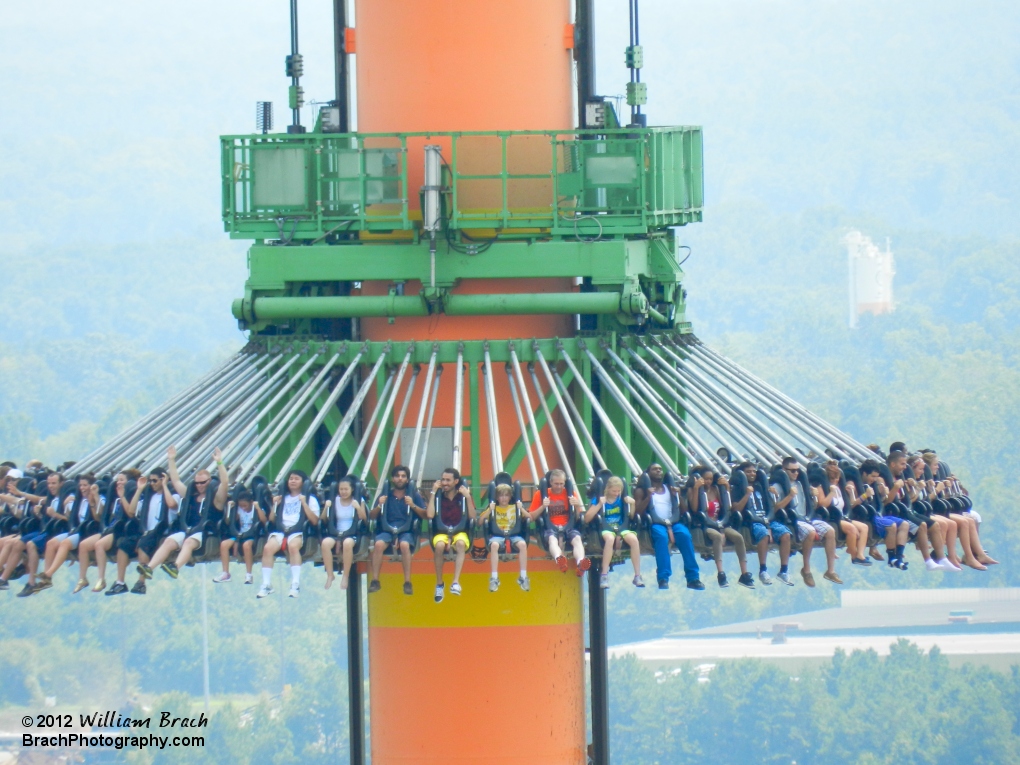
562	563
583	565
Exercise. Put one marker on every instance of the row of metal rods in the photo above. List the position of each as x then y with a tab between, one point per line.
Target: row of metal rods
678	397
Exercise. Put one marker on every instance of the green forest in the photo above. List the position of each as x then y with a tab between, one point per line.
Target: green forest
901	120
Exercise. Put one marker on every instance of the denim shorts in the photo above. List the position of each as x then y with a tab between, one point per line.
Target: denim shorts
884	522
758	532
778	529
387	538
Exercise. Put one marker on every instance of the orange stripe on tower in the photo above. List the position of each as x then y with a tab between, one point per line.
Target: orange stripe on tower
484	677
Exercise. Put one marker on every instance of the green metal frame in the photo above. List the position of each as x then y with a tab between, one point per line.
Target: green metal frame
591	183
473	354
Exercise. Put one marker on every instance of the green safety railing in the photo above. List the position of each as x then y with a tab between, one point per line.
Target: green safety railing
579	183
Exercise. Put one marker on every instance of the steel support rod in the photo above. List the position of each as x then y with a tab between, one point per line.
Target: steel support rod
458	411
396	434
345	424
526	403
632	415
317	389
381	426
655	414
579	420
567	415
355	668
428	425
598	665
722	398
380	404
154	454
138	447
520	424
226	426
149	419
658	378
607	423
552	425
848	443
695	399
294	380
680	424
736	387
429	374
291	416
497	443
324	411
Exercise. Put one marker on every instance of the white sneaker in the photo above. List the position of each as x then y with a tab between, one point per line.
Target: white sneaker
525	583
455	589
248	579
785	579
264	591
764	578
222	577
294	592
931	565
440	593
947	565
493	583
604	581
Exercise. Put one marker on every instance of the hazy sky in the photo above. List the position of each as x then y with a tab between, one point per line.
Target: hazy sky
112	110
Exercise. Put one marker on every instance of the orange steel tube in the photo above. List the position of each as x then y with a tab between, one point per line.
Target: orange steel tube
484	677
480	678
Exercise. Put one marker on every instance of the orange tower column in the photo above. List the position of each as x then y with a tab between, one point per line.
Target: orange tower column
483	677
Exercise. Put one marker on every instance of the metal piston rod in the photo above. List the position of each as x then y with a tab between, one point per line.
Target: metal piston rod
345	424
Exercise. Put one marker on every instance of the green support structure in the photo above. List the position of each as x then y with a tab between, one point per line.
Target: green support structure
331	212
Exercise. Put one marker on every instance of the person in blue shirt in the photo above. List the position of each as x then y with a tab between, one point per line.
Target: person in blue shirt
618	517
396	511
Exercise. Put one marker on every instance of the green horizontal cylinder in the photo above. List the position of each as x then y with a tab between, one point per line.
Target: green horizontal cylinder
268	308
338	307
525	303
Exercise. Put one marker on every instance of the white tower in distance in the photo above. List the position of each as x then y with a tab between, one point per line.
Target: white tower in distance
871	276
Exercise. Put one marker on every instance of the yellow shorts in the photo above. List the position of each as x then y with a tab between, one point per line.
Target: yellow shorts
460	536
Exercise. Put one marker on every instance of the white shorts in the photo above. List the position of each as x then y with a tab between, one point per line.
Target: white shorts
178	537
974	514
278	535
820	527
73	539
61	537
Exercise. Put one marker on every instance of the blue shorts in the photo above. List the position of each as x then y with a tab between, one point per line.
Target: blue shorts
758	532
884	522
37	537
778	530
387	537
